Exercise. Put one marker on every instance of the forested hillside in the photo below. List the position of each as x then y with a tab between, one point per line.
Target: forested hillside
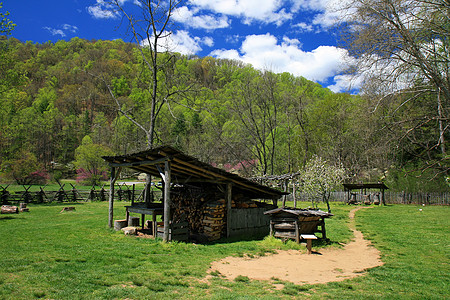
223	112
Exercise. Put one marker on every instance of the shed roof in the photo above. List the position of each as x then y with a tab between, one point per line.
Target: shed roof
299	212
357	186
188	169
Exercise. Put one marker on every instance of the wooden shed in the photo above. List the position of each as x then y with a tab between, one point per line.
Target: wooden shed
290	223
213	202
363	189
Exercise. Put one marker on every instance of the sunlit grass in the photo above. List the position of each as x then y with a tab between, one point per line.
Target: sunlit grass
74	255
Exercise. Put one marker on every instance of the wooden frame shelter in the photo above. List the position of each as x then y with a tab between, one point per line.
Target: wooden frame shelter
175	167
363	187
289	223
282	180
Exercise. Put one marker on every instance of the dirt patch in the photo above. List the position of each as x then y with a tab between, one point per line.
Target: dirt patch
299	268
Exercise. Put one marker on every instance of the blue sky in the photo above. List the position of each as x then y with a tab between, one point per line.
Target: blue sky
293	36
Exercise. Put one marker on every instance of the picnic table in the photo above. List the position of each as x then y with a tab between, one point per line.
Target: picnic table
143	209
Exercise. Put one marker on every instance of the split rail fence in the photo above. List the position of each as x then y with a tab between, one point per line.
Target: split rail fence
122	192
130	193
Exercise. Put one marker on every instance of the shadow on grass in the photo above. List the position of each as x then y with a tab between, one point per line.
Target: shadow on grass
316	243
326	242
59	204
6	218
235	239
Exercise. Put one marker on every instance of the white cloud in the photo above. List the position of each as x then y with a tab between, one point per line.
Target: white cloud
232	38
70	28
103	10
303	26
208	41
266	11
183	43
209	22
265	52
62	31
345	83
331	11
54	31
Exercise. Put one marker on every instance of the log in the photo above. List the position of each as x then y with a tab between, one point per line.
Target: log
9	209
119	224
68	208
23	207
133	221
129	230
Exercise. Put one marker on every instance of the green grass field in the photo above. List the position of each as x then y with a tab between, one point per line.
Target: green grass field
73	255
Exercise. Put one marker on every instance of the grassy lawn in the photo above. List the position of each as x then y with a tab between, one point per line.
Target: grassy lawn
73	255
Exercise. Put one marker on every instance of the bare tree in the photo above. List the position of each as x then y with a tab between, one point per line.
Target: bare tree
150	25
255	103
402	49
150	29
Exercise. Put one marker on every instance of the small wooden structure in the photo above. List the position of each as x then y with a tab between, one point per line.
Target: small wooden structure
209	197
289	223
284	180
363	187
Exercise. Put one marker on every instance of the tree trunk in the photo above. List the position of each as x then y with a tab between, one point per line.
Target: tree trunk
441	126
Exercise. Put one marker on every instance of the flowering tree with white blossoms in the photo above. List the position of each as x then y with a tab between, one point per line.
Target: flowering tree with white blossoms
319	177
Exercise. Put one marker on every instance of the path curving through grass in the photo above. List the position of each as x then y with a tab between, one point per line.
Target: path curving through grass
322	266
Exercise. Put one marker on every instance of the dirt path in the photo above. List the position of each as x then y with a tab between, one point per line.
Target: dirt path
299	268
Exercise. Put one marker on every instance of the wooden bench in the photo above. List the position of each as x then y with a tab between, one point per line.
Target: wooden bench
308	238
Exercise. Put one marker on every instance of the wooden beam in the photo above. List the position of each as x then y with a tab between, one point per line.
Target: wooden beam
140	163
228	197
237	182
114	176
199	180
166	200
189	172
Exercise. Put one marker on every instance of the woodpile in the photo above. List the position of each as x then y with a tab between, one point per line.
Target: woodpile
198	207
204	209
213	221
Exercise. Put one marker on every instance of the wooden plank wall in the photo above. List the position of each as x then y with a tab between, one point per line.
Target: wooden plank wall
249	222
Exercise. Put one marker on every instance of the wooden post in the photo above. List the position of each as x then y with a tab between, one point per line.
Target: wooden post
322	227
147	190
113	179
229	193
166	200
297	232
293	194
382	197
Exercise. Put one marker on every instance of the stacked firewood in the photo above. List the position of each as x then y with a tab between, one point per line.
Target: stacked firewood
214	219
191	202
204	213
245	204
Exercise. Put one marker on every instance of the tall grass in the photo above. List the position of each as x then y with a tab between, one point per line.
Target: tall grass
73	255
